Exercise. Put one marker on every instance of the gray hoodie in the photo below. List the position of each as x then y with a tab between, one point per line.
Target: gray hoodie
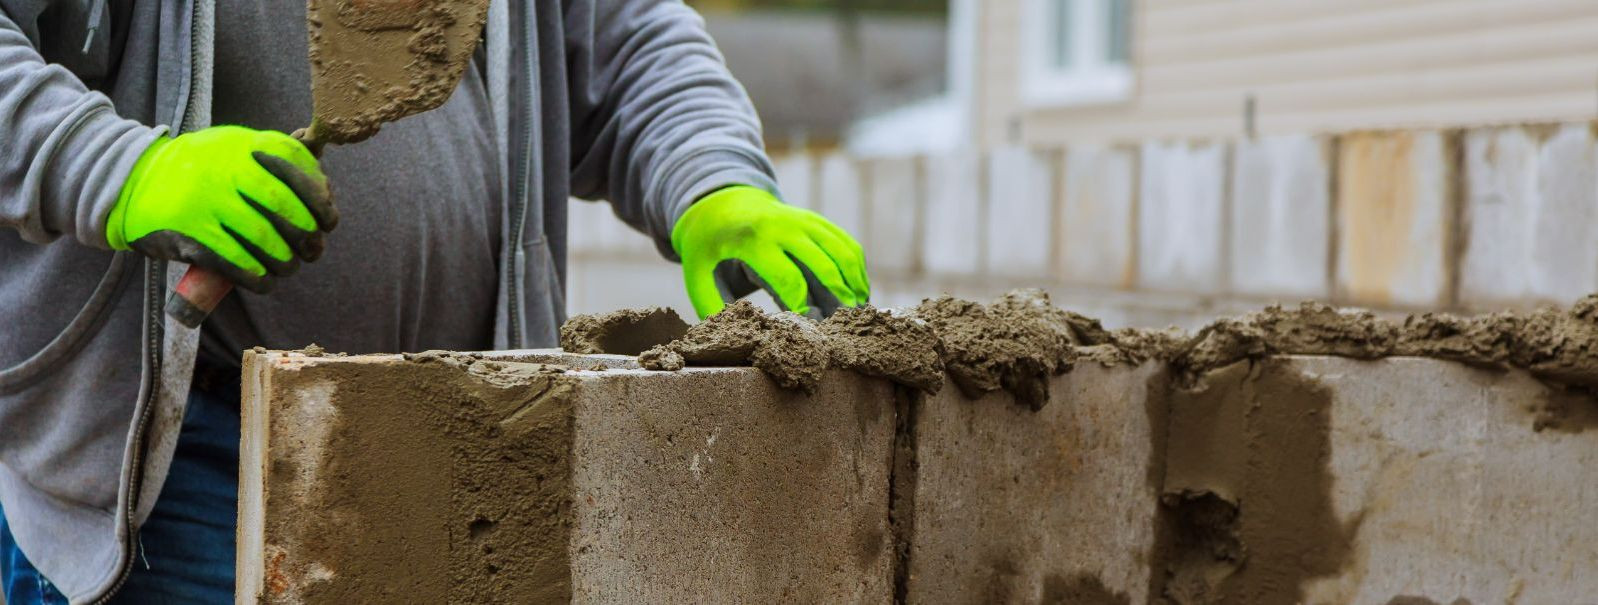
625	100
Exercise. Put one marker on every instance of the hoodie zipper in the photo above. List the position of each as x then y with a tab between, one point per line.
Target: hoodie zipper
154	331
516	272
154	287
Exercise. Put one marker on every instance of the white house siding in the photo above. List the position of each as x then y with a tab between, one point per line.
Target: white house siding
1312	66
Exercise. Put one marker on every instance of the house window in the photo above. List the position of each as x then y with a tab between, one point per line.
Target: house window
1077	52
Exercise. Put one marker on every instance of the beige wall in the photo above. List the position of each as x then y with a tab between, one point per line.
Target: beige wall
1313	66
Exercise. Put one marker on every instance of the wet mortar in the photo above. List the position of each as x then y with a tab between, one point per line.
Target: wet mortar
624	332
1019	341
881	343
1247	490
376	62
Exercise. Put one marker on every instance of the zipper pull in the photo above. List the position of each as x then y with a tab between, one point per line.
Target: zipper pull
96	12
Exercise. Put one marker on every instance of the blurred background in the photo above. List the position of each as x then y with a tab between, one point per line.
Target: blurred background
816	67
1157	162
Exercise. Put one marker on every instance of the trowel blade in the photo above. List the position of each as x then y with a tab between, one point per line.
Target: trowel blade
376	61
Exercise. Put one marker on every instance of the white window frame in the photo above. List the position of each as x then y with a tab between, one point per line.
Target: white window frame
1092	79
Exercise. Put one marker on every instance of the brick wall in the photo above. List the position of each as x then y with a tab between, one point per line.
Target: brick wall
1176	231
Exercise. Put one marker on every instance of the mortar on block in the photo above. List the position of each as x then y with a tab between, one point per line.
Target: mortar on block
1293	455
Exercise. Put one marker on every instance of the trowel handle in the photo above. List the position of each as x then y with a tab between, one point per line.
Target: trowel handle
196	295
201	290
313	137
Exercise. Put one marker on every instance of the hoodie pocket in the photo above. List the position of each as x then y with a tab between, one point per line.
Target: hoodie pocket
72	337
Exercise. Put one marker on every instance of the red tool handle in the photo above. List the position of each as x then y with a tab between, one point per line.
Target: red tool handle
196	295
200	289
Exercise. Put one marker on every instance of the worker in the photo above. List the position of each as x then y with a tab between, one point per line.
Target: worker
136	136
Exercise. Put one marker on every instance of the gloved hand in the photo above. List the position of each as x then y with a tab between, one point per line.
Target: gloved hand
248	204
740	238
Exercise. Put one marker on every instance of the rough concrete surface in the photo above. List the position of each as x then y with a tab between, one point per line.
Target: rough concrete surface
1017	506
1453	484
448	466
1296	479
1305	454
492	480
1333	480
714	486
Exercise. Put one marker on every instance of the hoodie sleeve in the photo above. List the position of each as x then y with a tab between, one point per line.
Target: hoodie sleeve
657	120
64	152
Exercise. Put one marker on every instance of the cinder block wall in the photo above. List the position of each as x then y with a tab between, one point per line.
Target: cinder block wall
1176	231
1296	479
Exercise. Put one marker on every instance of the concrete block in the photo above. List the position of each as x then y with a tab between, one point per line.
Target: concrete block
1395	221
778	496
1054	506
1398	480
952	240
894	205
1020	194
1095	227
1292	480
1531	216
796	177
1456	486
841	193
1182	217
375	479
1296	479
1281	217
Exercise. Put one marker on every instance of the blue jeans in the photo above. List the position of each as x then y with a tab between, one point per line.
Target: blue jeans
185	552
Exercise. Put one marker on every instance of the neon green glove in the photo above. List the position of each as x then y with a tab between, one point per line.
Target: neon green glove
740	238
248	204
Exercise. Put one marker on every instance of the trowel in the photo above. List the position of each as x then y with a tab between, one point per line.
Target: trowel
372	61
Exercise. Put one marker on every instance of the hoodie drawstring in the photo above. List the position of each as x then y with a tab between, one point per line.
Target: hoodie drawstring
96	12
